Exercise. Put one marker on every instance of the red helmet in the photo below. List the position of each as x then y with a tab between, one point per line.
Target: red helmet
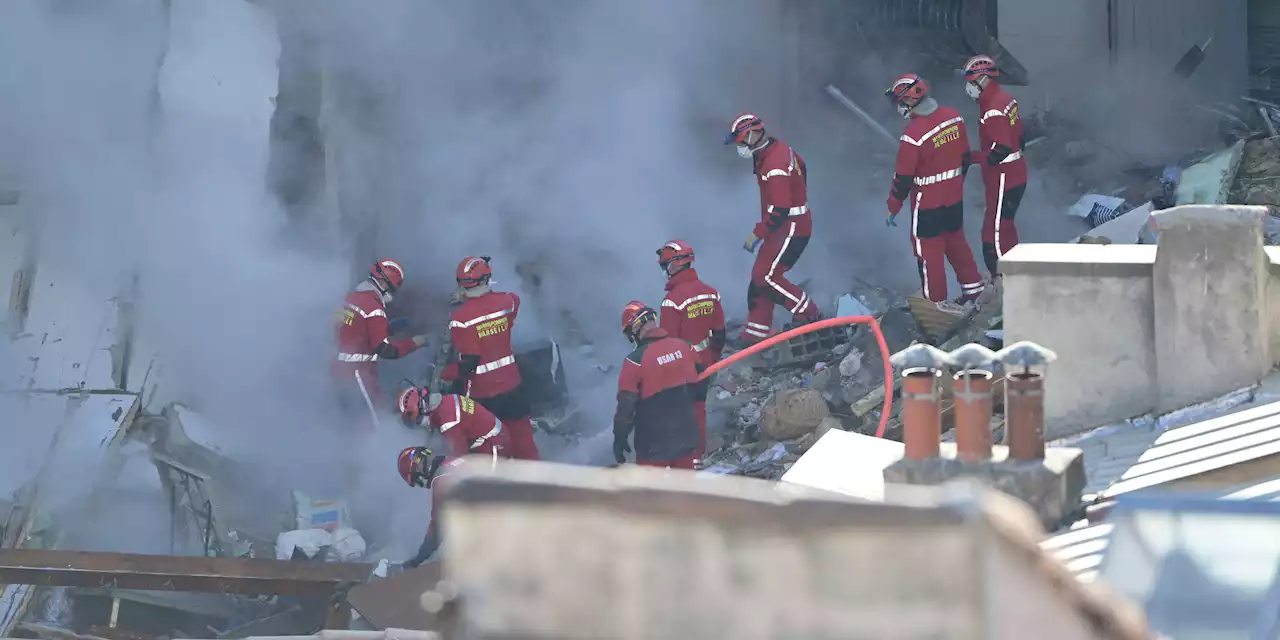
473	271
412	405
634	315
907	91
388	271
677	252
742	126
416	466
979	66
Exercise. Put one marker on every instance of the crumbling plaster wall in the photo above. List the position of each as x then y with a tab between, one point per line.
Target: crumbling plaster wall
1141	328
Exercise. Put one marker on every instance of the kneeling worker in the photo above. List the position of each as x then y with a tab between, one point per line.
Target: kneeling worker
656	394
466	426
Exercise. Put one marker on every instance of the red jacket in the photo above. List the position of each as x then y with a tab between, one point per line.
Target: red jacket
468	427
1000	136
933	154
481	332
784	191
656	396
692	312
363	329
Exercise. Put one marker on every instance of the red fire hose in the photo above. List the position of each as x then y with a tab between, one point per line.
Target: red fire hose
817	326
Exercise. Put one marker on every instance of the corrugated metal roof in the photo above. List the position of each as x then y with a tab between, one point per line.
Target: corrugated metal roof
1203	447
1081	549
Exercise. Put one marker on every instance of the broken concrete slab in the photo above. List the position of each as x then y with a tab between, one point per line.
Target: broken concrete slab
1210	181
852	464
1052	487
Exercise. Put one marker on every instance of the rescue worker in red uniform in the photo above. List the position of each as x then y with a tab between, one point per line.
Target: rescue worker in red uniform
363	338
1004	170
419	467
692	312
933	157
783	231
486	367
466	426
655	395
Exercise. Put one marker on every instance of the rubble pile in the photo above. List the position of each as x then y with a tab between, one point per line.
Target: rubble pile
1258	179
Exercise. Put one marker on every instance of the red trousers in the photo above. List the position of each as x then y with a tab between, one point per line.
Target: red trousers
512	408
700	416
522	445
937	237
999	232
359	393
680	463
769	285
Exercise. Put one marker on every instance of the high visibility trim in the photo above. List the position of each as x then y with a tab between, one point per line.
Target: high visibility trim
457	416
702	346
994	113
789	211
915	238
497	429
367	314
939	177
1015	156
496	364
932	132
672	304
999	211
768	276
357	357
455	324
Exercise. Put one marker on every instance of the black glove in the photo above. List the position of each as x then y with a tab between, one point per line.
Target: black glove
412	563
620	449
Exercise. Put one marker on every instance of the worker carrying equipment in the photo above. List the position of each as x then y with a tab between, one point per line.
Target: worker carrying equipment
655	394
692	312
363	339
466	426
783	231
480	329
420	467
1004	170
933	157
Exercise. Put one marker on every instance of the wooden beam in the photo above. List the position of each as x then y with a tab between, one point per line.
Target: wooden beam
176	573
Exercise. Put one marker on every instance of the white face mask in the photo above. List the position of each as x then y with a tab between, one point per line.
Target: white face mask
744	151
972	90
904	111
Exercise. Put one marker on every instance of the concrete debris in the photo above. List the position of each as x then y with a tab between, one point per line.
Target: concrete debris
342	545
1257	182
851	364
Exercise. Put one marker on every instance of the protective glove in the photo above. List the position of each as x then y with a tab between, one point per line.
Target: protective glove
890	221
751	243
620	449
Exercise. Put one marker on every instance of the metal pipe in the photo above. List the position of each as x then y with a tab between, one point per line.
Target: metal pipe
921	413
972	389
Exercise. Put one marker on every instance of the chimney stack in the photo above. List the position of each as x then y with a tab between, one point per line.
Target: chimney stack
922	367
1024	366
974	367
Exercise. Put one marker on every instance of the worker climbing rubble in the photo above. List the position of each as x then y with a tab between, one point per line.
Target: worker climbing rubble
692	312
364	338
655	394
933	157
466	426
420	467
485	370
1004	170
783	231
